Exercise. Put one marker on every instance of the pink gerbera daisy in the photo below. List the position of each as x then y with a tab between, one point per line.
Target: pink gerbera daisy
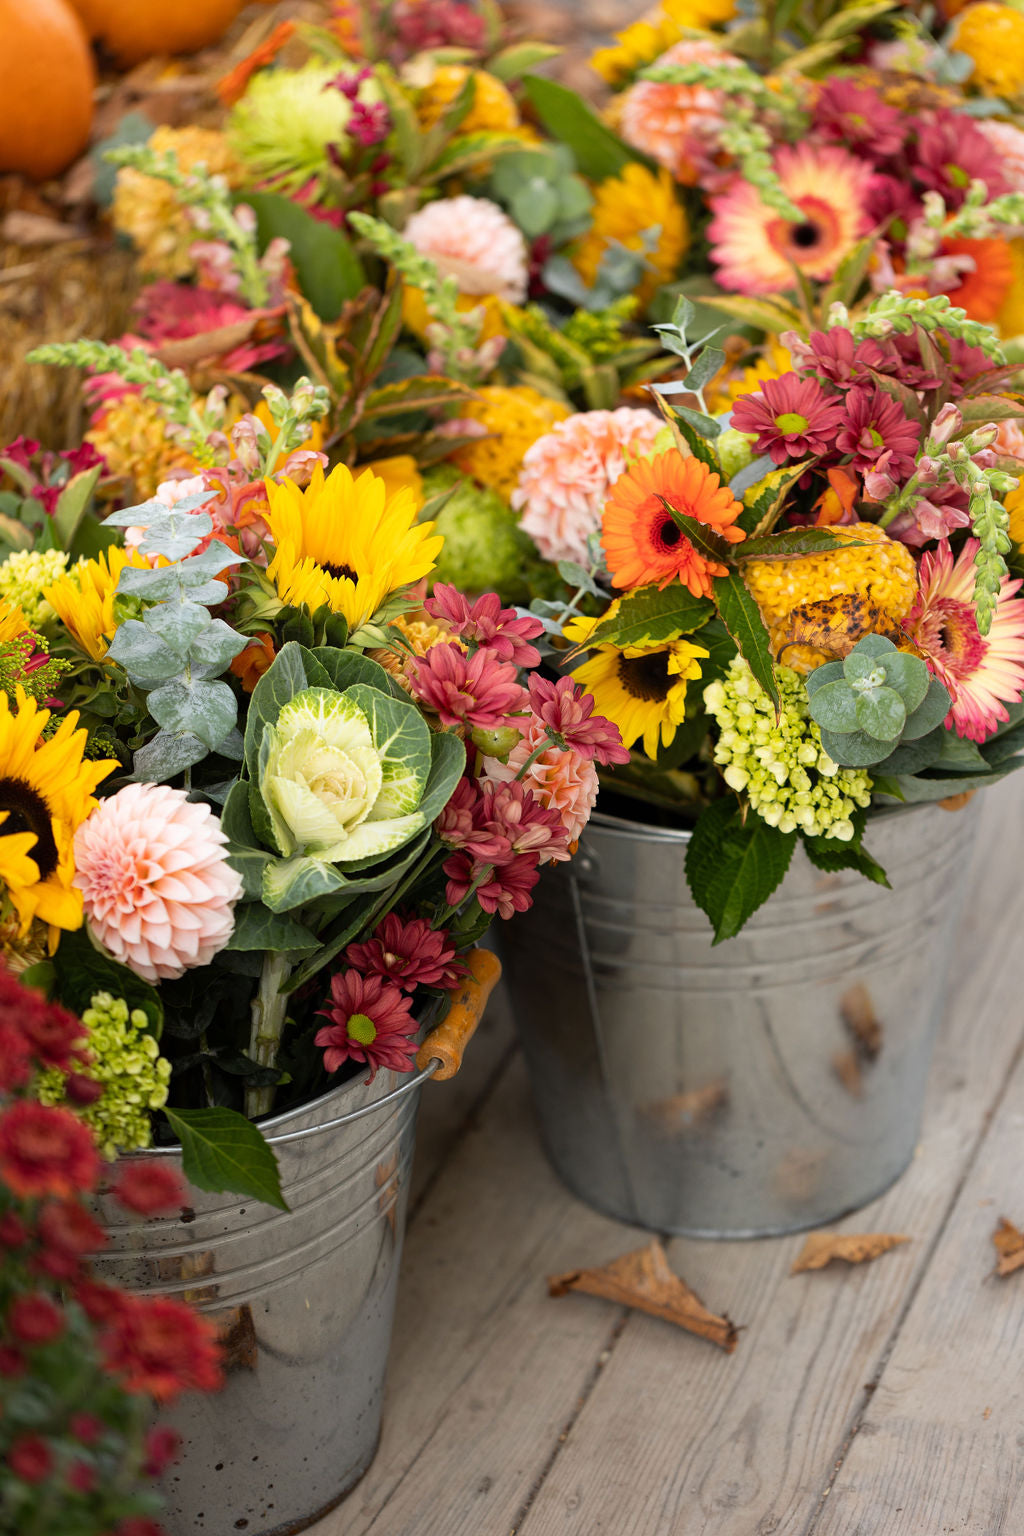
983	673
791	416
755	248
677	125
371	1021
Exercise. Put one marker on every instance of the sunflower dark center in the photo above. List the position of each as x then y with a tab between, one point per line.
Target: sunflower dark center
337	571
805	235
27	811
645	677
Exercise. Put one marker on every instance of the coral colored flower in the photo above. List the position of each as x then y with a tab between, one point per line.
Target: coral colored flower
249	665
475	690
34	1319
474	241
950	154
161	1348
873	425
983	673
158	890
504	890
854	115
30	1458
66	1228
562	779
677	125
45	1151
371	1021
567	712
755	248
986	277
642	542
503	631
566	476
148	1187
524	821
409	953
791	416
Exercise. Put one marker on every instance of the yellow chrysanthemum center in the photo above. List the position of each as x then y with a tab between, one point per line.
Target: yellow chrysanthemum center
514	418
627	210
148	210
345	541
493	110
993	36
83	599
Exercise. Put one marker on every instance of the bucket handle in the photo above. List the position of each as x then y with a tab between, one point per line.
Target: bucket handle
440	1054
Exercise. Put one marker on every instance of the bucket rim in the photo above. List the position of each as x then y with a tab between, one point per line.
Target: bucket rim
613	825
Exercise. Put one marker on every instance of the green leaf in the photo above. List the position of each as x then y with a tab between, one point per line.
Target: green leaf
790	543
447	762
84	970
855	749
763	314
223	1151
71	505
742	618
166	755
257	928
721	648
760	516
284	678
1003	746
200	708
703	538
599	153
326	265
733	867
414	394
343	669
691	436
834	706
401	737
649	616
146	658
514	62
912	756
705	368
290	883
919	791
881	713
829	854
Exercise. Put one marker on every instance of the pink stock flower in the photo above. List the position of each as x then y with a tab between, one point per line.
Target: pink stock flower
568	713
501	630
159	893
566	476
473	690
474	241
370	1021
792	417
874	425
935	515
562	779
409	953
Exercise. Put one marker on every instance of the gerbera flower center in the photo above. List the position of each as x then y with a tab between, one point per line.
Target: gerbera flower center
362	1028
949	634
805	235
27	811
646	677
791	422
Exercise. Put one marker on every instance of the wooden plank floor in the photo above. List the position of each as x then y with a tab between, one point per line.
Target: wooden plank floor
883	1401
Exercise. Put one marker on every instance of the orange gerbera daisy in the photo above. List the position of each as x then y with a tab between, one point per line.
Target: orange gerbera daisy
982	290
642	542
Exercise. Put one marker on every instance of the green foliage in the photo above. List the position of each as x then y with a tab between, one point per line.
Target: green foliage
872	702
542	193
733	865
652	615
599	153
830	855
222	1150
84	971
326	265
742	618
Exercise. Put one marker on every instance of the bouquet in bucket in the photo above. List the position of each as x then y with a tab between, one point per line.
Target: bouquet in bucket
802	612
262	795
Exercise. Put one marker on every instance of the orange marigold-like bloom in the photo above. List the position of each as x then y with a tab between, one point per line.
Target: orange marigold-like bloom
642	542
249	665
982	290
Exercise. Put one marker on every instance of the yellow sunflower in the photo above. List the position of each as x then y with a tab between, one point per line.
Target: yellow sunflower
12	621
642	688
46	792
83	599
627	209
346	542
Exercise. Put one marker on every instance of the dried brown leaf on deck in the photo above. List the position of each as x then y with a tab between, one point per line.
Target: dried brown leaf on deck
1009	1241
852	1247
643	1279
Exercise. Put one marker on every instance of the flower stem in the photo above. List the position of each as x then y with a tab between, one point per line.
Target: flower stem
269	1010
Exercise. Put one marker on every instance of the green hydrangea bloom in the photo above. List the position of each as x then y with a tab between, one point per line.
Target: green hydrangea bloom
600	332
485	550
283	124
127	1061
25	575
782	768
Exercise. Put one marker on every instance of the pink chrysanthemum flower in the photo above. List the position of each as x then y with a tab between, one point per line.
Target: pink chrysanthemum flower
951	152
677	125
791	416
568	713
475	690
567	474
159	893
856	116
836	356
474	241
371	1021
874	426
755	248
464	824
504	632
408	953
983	673
563	780
504	890
1007	142
524	821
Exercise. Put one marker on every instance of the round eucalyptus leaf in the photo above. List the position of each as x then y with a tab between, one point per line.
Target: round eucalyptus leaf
854	750
909	676
831	672
929	713
834	706
881	713
873	645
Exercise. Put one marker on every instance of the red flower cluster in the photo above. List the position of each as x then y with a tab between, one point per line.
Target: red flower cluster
477	690
160	1347
371	1021
409	953
502	833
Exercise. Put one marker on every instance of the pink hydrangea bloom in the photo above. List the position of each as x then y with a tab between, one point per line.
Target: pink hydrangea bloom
474	241
563	780
158	891
567	474
677	125
475	690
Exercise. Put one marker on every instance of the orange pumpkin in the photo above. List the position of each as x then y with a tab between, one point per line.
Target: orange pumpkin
133	30
46	85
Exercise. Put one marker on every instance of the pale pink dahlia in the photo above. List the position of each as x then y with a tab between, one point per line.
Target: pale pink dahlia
755	248
677	125
1008	144
474	241
564	781
567	474
983	673
159	894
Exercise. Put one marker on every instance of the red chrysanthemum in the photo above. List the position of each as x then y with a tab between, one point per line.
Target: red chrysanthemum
371	1021
408	952
163	1446
464	823
49	1033
567	711
30	1459
875	425
149	1187
643	543
837	356
504	889
856	116
792	417
951	153
160	1347
478	690
67	1233
45	1151
34	1319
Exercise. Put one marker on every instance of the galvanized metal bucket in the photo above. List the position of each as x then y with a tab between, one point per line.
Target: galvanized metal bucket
304	1299
771	1083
